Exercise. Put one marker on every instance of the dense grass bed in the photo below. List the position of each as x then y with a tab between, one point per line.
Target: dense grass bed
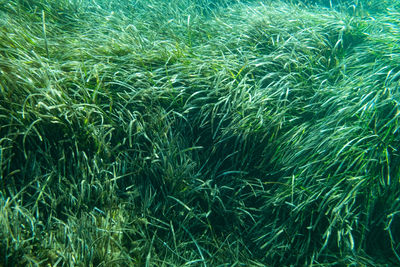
199	133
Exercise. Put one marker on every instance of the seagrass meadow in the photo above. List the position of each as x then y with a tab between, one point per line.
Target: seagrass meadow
199	133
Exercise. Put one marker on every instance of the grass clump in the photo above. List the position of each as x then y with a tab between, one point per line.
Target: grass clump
218	133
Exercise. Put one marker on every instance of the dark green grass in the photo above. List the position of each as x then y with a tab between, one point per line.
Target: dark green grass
167	133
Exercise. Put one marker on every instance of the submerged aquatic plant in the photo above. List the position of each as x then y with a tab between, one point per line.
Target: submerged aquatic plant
217	133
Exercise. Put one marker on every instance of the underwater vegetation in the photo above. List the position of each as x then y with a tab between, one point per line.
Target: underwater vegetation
202	133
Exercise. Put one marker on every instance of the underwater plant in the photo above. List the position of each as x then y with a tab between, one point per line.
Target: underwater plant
210	133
